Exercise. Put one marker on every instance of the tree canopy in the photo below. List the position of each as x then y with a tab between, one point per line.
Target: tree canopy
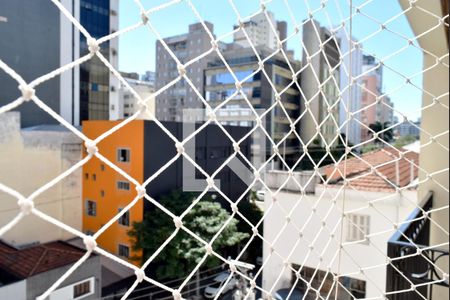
181	255
385	134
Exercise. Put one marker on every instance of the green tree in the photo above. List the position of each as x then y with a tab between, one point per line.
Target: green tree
181	255
378	127
405	140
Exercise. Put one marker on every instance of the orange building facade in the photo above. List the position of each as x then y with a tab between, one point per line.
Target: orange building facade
106	192
141	148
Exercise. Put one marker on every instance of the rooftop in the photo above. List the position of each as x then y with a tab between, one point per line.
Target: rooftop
390	170
24	263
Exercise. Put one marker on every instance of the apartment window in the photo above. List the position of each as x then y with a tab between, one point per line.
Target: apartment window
125	218
91	208
86	176
124	251
123	155
123	185
358	227
102	167
102	193
94	177
83	288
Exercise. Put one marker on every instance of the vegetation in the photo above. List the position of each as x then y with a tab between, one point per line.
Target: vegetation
321	157
380	128
404	140
369	148
184	252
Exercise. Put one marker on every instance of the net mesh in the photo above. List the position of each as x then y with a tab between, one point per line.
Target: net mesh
315	283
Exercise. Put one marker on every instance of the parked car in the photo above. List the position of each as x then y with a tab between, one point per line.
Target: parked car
284	293
218	282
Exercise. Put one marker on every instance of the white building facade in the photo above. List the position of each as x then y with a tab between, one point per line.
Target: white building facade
31	158
260	30
351	99
315	220
128	103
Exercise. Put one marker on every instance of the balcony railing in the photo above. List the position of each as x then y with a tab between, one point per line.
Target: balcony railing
413	262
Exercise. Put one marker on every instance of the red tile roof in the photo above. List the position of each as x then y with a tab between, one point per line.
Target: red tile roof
27	262
384	162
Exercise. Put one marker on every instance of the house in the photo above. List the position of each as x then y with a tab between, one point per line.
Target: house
380	192
28	272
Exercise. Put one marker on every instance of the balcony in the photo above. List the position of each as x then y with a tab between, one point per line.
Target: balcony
414	262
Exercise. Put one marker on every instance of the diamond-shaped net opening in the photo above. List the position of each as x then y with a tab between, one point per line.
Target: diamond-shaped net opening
344	201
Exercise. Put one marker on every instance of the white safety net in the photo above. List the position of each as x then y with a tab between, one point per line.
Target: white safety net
320	281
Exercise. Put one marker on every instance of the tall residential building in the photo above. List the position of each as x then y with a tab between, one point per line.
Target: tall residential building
134	150
170	104
385	110
128	103
372	82
351	98
37	39
220	85
322	92
260	31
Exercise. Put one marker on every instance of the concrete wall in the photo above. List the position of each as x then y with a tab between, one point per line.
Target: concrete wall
30	159
354	256
275	179
114	84
16	290
435	119
38	284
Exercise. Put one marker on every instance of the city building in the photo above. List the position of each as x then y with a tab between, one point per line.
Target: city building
149	76
220	85
141	148
320	83
30	158
170	104
365	234
128	103
371	85
408	129
261	31
82	93
27	273
385	111
351	96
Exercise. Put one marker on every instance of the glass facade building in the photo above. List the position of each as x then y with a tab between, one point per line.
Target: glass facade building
259	90
94	75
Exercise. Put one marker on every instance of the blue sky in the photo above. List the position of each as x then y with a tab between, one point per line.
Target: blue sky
137	48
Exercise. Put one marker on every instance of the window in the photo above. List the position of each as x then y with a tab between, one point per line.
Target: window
124	251
94	177
123	185
102	167
358	227
82	289
91	208
86	176
102	193
125	218
123	155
